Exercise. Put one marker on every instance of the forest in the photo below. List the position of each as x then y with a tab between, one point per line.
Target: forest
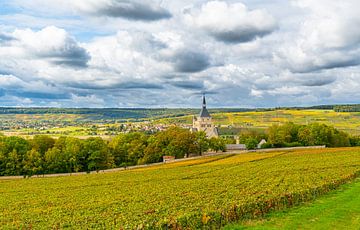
292	135
44	154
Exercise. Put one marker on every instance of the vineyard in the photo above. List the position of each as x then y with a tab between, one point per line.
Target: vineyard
346	121
207	192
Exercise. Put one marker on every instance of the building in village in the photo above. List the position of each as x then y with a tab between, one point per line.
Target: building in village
204	122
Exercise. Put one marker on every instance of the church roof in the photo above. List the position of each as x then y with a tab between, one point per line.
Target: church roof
204	112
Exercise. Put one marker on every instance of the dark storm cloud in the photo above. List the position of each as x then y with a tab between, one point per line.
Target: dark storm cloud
241	35
5	72
139	85
319	82
190	61
207	92
342	64
74	56
125	85
192	85
334	64
5	38
133	10
38	95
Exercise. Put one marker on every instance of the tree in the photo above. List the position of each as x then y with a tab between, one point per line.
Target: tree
98	154
251	143
14	164
217	144
72	152
202	142
152	152
33	163
54	162
280	135
42	143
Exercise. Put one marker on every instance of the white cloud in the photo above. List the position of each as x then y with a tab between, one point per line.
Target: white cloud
72	53
53	44
327	39
232	23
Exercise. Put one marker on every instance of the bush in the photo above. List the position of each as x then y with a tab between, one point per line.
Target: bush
267	146
251	143
292	144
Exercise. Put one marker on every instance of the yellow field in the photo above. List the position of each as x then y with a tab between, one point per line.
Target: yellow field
349	122
205	192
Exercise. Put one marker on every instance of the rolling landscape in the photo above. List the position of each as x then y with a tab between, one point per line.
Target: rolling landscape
201	193
179	115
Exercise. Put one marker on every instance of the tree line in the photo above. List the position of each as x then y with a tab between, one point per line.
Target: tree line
291	135
43	154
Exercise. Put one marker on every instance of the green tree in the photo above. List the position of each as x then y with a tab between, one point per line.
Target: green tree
152	152
98	154
42	143
202	142
14	164
54	162
251	143
217	144
33	163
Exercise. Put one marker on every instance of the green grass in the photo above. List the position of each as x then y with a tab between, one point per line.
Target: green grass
206	192
338	210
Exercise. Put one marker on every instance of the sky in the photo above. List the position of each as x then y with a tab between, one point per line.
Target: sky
166	53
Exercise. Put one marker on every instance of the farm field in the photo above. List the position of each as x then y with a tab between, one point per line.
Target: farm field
346	121
205	192
339	209
109	124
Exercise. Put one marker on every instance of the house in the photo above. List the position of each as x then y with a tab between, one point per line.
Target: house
263	141
168	158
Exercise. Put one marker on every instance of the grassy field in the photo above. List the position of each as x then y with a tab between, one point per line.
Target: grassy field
338	210
206	192
58	124
349	122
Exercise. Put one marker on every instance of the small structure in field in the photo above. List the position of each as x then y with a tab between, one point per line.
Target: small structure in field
168	159
230	147
263	141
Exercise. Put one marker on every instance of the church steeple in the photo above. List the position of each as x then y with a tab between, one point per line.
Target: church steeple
204	112
204	101
204	122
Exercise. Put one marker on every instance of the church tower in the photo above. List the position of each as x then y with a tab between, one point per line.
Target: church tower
204	122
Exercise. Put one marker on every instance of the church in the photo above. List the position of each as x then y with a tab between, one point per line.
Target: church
204	122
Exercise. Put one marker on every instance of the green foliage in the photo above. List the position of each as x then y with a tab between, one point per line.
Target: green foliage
43	154
251	143
347	108
202	142
257	134
290	134
354	140
33	162
217	144
267	145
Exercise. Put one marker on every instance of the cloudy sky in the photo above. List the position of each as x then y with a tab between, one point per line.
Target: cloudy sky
165	53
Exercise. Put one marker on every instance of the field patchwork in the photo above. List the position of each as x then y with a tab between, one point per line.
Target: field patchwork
206	192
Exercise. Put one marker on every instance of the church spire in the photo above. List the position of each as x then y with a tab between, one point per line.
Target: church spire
204	101
204	112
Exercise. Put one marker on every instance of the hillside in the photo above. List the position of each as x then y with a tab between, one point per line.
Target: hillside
346	121
339	209
205	192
